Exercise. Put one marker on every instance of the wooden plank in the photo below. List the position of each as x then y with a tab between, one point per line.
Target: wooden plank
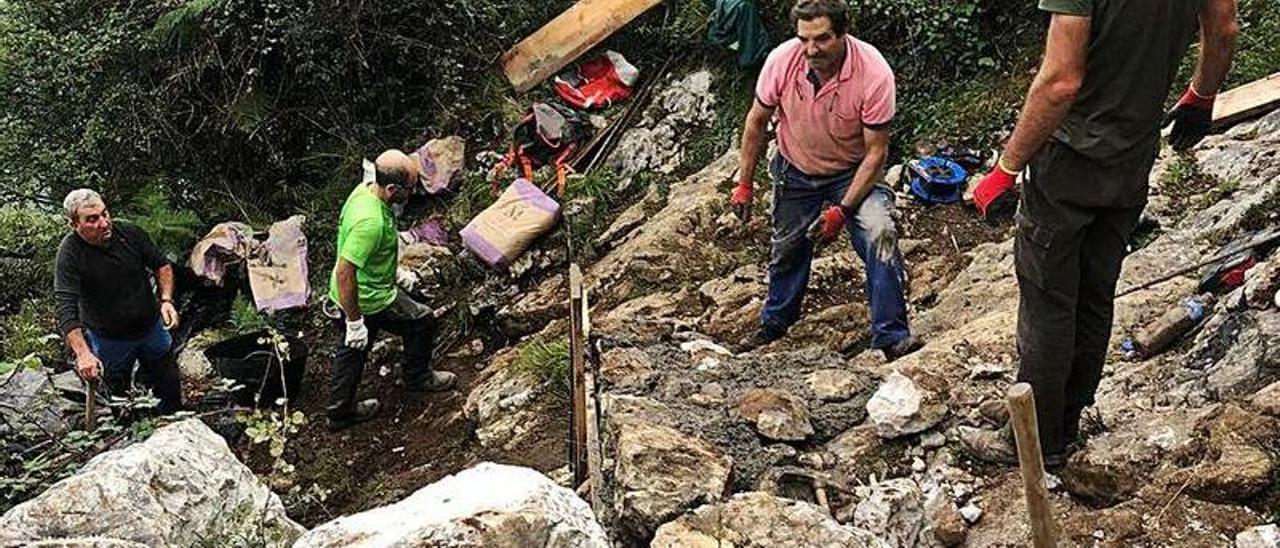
566	37
1246	101
595	462
1022	415
577	355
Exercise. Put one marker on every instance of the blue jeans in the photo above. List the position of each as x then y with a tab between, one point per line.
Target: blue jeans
151	352
798	200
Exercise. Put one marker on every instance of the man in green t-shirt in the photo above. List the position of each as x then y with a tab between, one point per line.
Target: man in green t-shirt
364	286
1087	138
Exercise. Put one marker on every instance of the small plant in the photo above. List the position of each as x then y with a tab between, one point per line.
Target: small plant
171	228
272	427
245	317
548	362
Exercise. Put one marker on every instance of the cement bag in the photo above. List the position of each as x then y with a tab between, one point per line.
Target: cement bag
503	231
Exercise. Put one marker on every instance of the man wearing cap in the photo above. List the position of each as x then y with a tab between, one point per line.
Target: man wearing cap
834	97
364	286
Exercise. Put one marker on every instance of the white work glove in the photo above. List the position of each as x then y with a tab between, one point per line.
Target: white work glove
406	279
357	334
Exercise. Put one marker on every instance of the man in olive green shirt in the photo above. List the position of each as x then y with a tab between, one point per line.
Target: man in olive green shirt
364	286
1087	138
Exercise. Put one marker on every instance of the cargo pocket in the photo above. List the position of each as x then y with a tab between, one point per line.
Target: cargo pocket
1034	253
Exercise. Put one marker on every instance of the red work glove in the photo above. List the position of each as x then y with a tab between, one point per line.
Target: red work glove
828	226
1192	118
994	194
740	200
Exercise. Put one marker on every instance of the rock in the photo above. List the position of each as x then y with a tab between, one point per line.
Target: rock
1262	536
1240	472
37	402
485	505
660	472
855	446
502	404
626	368
835	384
180	487
1238	351
1261	283
1267	400
760	519
777	415
945	522
971	513
933	440
656	142
1114	465
892	510
900	407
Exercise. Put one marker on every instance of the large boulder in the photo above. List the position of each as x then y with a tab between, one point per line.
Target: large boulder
756	519
181	487
1262	536
661	472
488	505
656	143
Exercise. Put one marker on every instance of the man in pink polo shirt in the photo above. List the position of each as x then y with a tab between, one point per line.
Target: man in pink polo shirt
834	98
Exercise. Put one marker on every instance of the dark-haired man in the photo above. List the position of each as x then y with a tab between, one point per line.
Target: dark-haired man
1087	138
834	97
364	286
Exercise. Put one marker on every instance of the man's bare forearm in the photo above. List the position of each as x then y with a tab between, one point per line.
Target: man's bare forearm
1218	29
754	131
348	291
1041	115
1052	92
164	280
75	341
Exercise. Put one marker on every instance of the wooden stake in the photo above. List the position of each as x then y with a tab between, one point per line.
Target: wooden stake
577	353
91	406
1022	415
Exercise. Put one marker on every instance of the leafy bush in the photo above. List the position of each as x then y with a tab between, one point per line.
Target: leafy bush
28	339
172	229
28	244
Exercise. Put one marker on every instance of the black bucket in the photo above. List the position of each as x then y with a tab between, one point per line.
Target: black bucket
254	366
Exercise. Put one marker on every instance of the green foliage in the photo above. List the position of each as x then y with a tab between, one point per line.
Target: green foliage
548	362
1258	47
172	229
245	317
28	339
273	428
28	244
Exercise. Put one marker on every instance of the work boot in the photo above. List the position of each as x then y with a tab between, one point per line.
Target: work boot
1000	447
902	348
760	338
365	410
439	381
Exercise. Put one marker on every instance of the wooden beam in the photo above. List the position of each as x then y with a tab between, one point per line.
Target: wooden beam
1022	415
566	37
595	462
1246	101
577	357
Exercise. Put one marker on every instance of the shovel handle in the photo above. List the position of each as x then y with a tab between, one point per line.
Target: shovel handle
91	405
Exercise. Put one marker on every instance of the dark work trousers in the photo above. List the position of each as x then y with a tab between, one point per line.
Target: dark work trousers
798	200
1073	223
156	365
405	317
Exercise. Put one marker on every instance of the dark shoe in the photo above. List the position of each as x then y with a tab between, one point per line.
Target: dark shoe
999	447
365	410
439	381
902	348
994	446
757	339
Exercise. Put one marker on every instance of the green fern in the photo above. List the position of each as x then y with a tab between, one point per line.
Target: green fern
245	317
172	229
178	26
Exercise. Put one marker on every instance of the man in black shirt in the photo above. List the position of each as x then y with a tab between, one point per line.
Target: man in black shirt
107	310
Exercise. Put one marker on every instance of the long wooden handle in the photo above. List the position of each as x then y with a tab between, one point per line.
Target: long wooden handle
1022	415
91	405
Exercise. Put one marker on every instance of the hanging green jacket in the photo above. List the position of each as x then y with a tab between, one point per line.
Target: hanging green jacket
737	24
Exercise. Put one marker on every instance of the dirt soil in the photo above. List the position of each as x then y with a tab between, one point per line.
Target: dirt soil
412	444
